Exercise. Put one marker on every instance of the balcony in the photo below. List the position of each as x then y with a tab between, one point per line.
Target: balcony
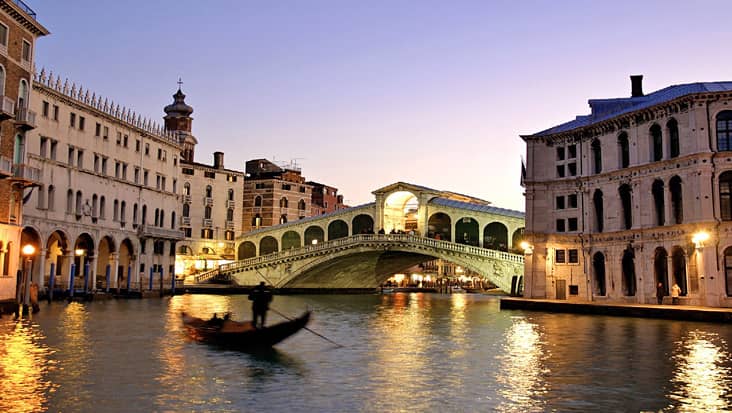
230	204
25	119
26	174
7	108
207	201
6	167
185	221
207	223
149	231
186	199
229	225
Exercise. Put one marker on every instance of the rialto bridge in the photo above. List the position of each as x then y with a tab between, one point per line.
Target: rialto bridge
361	247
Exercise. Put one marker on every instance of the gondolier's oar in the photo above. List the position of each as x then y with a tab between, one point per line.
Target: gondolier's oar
291	319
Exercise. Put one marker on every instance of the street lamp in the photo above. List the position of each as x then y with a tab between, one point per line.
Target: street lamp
528	248
80	253
28	250
699	238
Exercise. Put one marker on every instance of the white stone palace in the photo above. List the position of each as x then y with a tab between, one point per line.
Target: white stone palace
637	193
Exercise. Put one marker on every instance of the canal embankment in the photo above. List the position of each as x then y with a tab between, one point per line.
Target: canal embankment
669	312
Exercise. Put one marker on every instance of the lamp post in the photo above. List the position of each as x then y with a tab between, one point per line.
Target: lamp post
28	250
80	253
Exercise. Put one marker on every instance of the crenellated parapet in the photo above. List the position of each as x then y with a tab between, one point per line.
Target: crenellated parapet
104	105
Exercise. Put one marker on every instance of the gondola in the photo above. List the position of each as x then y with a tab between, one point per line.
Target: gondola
241	335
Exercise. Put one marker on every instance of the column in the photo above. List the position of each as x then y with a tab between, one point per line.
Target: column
3	251
69	262
113	262
39	275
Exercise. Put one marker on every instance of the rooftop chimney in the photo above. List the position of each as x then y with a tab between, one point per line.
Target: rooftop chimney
218	160
636	82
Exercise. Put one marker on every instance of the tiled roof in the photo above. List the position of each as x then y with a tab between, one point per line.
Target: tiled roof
604	109
476	207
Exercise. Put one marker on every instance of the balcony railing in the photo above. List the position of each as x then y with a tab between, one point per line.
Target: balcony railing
185	221
7	108
25	118
230	204
24	172
207	201
207	223
187	199
6	166
229	225
151	231
25	8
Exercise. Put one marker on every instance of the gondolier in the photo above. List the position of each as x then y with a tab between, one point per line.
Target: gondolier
260	296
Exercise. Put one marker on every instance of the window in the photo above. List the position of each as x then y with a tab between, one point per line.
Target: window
44	147
658	193
566	165
258	201
98	130
230	214
135	211
69	201
560	202
137	145
26	53
725	195
207	233
572	200
284	203
41	197
673	136
51	198
728	271
145	174
229	235
560	153
123	212
231	195
560	256
70	159
209	174
573	256
119	138
571	151
115	211
596	156
3	35
144	214
677	208
229	178
160	154
724	130
147	149
102	207
82	122
187	171
172	220
80	159
104	165
283	219
187	189
137	175
125	139
626	202
624	150
560	171
572	224
656	143
560	225
105	135
124	171
186	210
116	169
301	205
55	113
209	191
54	145
46	105
598	203
207	212
286	187
72	119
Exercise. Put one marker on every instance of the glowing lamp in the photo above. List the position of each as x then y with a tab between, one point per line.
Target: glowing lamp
79	252
528	248
699	238
28	250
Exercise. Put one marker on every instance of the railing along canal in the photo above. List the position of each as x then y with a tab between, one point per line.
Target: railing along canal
361	238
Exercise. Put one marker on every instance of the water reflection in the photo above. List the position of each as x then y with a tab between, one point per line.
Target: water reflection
522	368
23	367
702	382
75	351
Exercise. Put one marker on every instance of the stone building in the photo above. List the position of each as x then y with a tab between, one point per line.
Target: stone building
274	195
107	203
19	30
325	199
637	193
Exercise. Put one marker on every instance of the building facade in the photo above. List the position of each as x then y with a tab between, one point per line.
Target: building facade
19	30
325	199
634	198
273	195
105	212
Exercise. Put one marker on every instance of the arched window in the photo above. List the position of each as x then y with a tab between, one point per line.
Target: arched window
135	212
623	150
599	210
69	201
51	198
102	207
2	81
77	209
95	206
186	210
626	201
258	201
172	220
231	195
115	210
144	214
660	268
256	221
187	189
283	219
628	269
230	214
678	266
656	143
725	195
728	270
596	156
724	130
207	212
673	137
123	212
209	191
677	204
657	191
301	205
157	217
19	149
23	95
283	202
598	266
162	218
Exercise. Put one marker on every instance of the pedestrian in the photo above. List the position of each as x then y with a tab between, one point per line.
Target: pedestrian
660	292
260	296
675	292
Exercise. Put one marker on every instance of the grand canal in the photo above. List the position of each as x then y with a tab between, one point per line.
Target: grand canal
402	352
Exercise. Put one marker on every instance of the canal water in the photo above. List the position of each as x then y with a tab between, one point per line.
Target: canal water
402	352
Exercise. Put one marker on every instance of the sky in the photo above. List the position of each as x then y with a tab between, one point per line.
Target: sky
363	94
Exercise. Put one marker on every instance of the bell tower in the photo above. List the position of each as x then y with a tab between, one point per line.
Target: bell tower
178	119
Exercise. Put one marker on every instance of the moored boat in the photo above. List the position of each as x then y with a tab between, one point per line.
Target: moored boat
241	335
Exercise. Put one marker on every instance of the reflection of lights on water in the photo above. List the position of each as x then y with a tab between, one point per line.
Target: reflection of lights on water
522	368
702	383
458	326
23	367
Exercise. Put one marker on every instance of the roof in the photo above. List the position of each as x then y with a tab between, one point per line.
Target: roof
477	207
604	109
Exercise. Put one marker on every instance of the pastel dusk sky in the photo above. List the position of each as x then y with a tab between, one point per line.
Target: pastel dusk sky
362	94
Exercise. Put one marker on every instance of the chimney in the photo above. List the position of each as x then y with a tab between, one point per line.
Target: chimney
218	160
636	82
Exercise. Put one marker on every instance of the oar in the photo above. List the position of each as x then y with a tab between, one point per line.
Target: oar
291	319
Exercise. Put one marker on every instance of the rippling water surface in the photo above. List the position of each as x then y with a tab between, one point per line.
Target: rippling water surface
402	352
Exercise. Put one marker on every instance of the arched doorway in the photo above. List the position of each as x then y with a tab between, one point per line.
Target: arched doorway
516	239
29	236
106	249
125	272
314	235
628	268
267	245
660	268
400	212
247	249
362	224
439	226
466	231
57	248
678	266
337	229
495	236
598	267
84	254
290	239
